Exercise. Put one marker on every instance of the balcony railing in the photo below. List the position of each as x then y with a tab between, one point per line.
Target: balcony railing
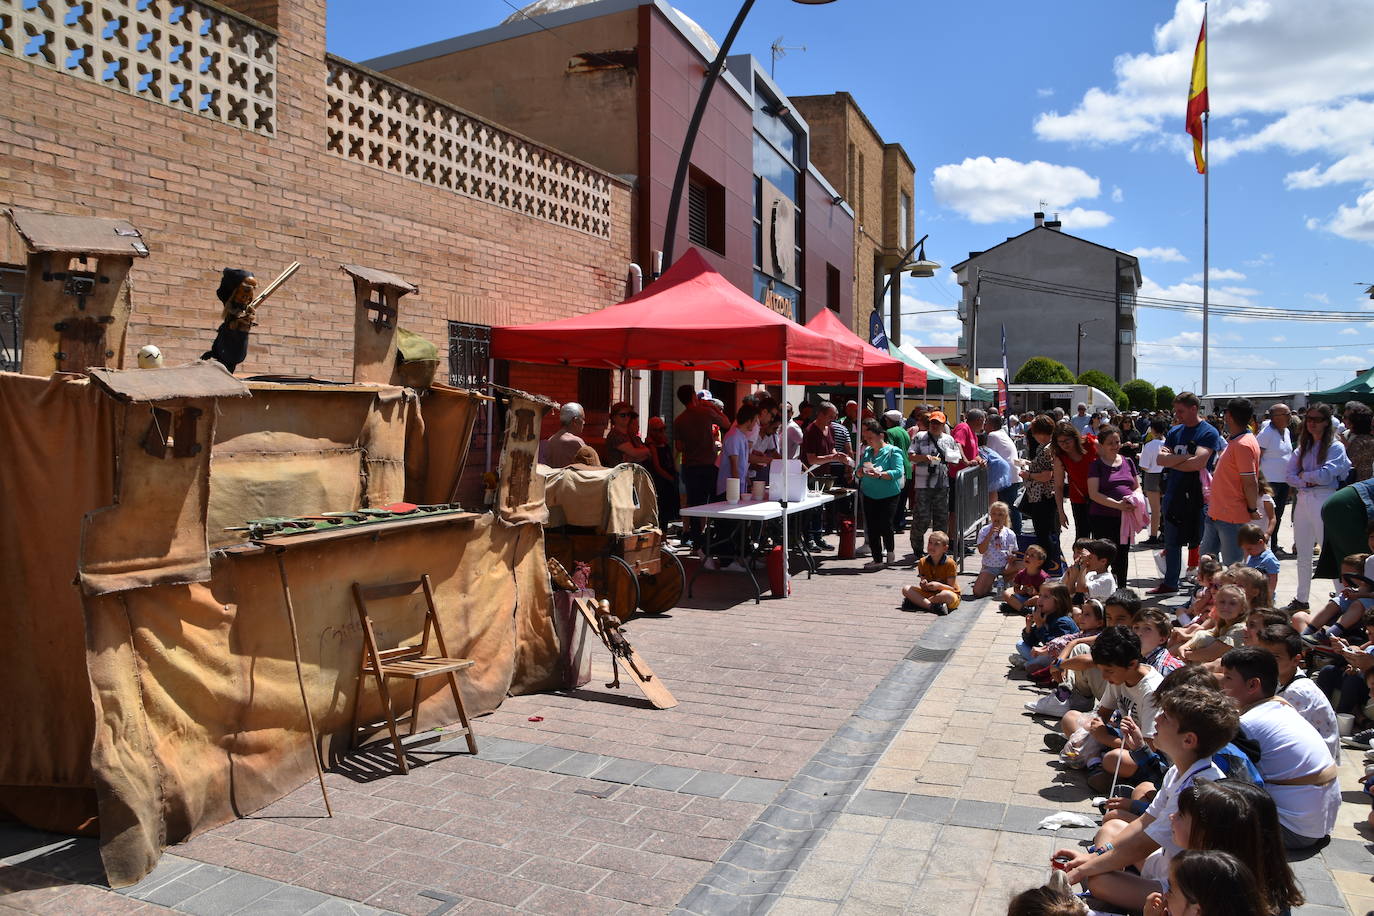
189	55
378	122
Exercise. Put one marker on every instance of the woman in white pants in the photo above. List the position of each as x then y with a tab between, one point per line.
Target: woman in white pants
1314	472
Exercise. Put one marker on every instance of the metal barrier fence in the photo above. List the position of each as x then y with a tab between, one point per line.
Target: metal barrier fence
970	507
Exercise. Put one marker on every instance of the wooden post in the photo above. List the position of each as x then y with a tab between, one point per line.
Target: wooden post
300	679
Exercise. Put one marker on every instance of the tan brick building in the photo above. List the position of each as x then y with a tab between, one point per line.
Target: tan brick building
237	142
878	180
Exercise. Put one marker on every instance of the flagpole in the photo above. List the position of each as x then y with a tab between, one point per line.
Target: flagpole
1206	223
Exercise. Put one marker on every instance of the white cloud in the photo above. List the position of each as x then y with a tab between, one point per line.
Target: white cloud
1297	70
937	326
1323	298
1217	273
1355	222
988	190
1190	291
1159	254
1348	332
1044	93
1264	260
1357	362
1117	195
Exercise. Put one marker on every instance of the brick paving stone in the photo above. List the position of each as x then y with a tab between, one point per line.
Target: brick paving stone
571	875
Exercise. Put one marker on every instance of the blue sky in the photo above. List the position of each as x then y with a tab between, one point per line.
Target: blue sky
1003	104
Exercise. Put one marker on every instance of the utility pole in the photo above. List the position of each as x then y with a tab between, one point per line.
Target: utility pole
1078	366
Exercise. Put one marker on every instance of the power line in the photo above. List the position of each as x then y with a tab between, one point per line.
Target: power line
1147	362
1255	312
1198	346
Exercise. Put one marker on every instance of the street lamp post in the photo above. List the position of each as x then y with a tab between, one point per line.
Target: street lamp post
1078	365
684	161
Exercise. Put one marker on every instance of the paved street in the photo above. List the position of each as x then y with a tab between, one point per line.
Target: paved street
830	754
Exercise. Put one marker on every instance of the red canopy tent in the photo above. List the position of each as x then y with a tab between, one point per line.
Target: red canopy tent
690	318
878	368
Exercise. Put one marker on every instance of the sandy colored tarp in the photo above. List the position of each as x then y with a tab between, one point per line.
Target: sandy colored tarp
173	703
615	500
520	495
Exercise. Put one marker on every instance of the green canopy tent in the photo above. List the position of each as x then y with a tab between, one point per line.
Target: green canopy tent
1360	388
940	382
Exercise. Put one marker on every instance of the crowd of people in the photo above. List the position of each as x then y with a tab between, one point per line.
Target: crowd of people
1212	728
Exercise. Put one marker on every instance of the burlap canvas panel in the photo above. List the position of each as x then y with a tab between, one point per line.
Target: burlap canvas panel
520	496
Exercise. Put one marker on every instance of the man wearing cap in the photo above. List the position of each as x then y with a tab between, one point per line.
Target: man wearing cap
892	426
694	432
932	451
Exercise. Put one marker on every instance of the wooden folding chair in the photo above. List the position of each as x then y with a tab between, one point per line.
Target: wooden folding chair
411	663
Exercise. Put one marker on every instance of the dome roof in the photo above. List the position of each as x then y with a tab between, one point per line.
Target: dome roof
544	7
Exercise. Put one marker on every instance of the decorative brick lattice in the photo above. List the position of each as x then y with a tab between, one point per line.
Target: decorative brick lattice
181	53
384	124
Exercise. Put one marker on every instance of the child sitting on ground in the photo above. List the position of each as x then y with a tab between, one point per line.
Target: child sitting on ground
1051	618
1300	691
1090	619
996	542
938	589
1153	627
1130	693
1344	614
1192	724
1080	682
1258	555
1258	619
1201	602
1091	573
1226	632
1207	882
1254	583
1025	587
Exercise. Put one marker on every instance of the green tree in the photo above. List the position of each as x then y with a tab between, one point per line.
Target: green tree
1103	383
1140	393
1123	403
1164	398
1041	370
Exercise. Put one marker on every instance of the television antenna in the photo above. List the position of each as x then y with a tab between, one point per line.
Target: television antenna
778	49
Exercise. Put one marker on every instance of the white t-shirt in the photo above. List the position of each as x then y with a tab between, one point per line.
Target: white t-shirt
1138	702
1308	699
1291	748
1000	548
1276	447
1100	585
1161	830
1268	510
794	439
1149	457
1001	443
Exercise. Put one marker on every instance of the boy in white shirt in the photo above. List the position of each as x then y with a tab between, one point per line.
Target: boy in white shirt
1193	723
1299	772
1301	692
1091	573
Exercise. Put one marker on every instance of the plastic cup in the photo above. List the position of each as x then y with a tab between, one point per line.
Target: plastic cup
732	490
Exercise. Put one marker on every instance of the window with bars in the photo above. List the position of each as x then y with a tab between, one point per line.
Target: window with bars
469	354
11	317
706	213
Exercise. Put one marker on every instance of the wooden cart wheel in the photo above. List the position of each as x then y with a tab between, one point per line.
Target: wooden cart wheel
661	592
613	579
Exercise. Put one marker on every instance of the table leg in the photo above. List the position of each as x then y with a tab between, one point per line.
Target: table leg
747	556
707	533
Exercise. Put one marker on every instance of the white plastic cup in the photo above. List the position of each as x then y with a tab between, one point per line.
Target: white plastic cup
732	490
758	491
1346	723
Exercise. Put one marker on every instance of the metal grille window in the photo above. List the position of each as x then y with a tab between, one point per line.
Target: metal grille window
705	213
11	318
469	354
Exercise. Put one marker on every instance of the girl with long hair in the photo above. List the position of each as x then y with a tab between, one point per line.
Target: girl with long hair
1315	471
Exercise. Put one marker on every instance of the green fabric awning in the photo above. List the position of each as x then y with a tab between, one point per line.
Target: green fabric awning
939	380
1359	389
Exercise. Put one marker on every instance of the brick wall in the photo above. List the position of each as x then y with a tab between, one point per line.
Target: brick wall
208	196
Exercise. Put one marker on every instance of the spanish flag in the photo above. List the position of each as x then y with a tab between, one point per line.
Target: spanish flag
1197	97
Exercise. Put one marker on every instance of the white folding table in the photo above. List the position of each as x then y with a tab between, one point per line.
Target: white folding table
748	514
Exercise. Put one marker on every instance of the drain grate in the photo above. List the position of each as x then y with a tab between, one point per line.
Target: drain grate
921	653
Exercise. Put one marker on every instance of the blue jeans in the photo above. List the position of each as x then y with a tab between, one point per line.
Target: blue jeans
1222	537
1173	554
1025	650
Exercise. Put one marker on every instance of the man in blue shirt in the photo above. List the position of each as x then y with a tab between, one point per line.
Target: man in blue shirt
1188	449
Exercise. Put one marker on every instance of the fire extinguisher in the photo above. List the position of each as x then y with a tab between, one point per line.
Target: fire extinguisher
846	551
777	572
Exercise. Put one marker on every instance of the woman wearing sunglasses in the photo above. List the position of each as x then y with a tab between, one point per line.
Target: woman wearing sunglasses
1317	467
623	442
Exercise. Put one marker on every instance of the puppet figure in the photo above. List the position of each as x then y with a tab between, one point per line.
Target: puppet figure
236	292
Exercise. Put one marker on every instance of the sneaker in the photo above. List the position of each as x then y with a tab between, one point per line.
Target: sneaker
1162	590
1296	605
735	566
873	564
1006	608
710	563
939	607
1062	693
1016	660
1048	706
1361	739
1055	741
